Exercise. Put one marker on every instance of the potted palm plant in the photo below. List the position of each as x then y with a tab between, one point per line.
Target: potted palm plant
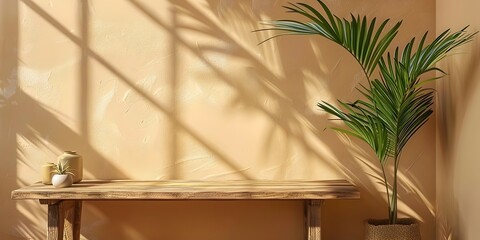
395	105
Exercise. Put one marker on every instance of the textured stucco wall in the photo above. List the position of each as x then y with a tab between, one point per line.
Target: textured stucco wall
180	90
458	128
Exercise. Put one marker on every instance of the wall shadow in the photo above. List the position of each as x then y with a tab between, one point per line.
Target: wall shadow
293	114
300	123
455	101
9	149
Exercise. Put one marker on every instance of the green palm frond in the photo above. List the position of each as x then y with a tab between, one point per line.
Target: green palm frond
414	65
398	99
363	124
358	35
396	104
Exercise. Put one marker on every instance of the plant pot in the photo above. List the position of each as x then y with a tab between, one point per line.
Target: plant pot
61	181
405	229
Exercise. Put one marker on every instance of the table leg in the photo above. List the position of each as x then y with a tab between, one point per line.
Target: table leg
64	219
312	219
77	221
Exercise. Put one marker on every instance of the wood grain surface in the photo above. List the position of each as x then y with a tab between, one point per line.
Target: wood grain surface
202	190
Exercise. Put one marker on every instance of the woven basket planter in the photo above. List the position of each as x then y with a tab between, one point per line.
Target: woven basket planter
405	229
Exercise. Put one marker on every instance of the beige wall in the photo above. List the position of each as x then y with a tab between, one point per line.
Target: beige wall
458	128
180	90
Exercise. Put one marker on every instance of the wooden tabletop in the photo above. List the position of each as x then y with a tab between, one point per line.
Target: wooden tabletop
182	190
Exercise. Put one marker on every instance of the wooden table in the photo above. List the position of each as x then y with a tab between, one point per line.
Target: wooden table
65	204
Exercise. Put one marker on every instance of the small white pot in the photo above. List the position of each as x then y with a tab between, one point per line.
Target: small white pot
61	181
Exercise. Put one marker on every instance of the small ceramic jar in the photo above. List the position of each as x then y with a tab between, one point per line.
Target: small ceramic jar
47	172
75	163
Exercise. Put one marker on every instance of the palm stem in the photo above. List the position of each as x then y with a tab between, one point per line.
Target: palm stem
393	217
386	186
